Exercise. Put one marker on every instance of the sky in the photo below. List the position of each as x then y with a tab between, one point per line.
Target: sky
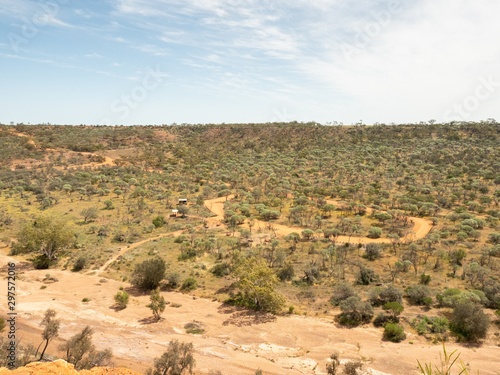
231	61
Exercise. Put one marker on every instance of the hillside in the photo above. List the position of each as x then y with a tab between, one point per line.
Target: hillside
317	228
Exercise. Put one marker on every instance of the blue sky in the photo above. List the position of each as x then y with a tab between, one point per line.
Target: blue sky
215	61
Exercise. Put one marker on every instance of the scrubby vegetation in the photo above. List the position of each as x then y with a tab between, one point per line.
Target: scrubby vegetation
348	222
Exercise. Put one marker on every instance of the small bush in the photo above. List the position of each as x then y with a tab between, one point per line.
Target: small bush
391	293
186	254
79	264
180	239
178	359
341	292
425	279
121	299
355	311
159	221
41	262
149	274
366	276
372	252
221	269
374	232
189	284
394	332
194	328
419	295
332	366
287	272
426	324
173	279
381	319
469	322
351	368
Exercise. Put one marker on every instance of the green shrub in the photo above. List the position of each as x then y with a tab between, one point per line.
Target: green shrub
287	272
355	311
189	284
374	232
173	279
425	279
341	292
365	276
395	309
381	319
159	221
149	274
221	269
187	253
372	251
425	324
194	328
180	239
394	332
79	264
121	299
469	322
381	295
419	295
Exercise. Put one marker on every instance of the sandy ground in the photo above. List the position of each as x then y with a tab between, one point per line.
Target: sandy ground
235	341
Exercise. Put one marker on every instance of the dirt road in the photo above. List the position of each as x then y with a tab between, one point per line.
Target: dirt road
421	227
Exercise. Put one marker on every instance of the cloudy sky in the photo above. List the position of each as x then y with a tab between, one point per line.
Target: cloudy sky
214	61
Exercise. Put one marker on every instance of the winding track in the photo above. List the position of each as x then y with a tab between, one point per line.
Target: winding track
421	227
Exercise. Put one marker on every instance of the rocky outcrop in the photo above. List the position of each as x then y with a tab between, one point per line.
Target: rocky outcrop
61	367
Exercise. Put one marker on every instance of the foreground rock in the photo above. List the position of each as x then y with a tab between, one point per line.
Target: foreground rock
61	367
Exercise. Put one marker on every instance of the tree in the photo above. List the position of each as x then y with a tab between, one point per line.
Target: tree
121	299
294	238
256	286
82	353
307	234
90	214
178	359
46	235
328	208
469	322
183	210
149	274
50	330
383	217
157	303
